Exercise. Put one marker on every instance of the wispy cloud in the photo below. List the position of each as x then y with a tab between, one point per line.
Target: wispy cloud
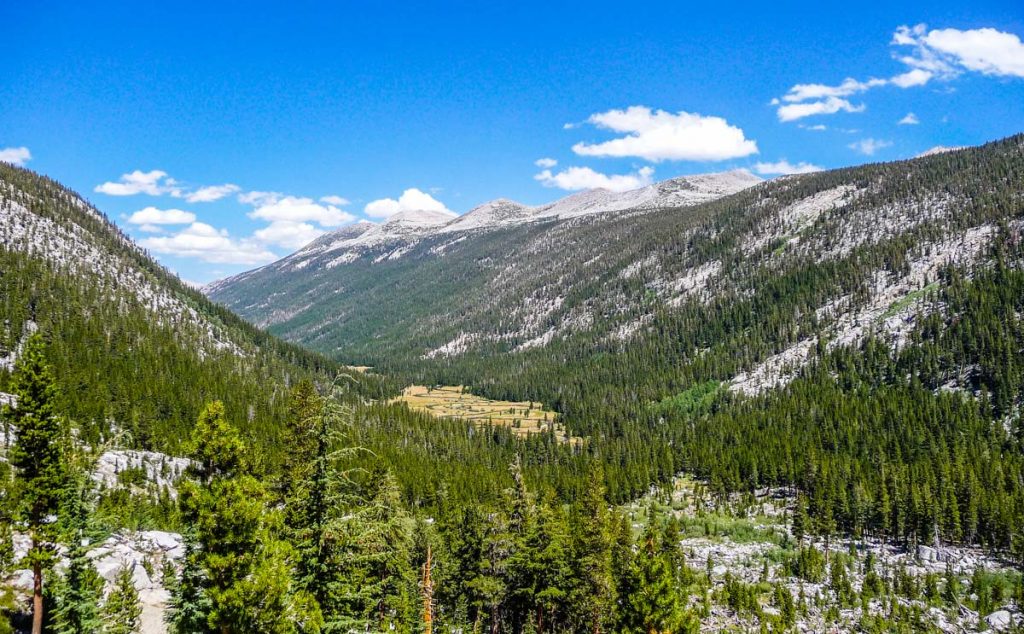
869	146
831	105
15	155
152	220
337	201
785	167
211	193
941	54
909	119
152	183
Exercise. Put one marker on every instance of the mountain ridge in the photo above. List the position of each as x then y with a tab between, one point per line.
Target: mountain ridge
608	277
406	228
138	348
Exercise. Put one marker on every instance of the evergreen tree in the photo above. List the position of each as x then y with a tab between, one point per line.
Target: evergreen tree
549	546
37	460
593	597
121	610
245	566
78	592
304	411
521	569
654	604
189	607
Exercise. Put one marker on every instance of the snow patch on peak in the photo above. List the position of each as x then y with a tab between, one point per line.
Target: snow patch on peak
940	149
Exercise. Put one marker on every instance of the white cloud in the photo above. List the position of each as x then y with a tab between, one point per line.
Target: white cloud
909	119
659	135
869	146
287	234
831	105
15	155
151	216
211	193
411	200
259	198
818	127
911	78
299	209
204	242
951	51
577	178
849	86
785	167
546	163
153	183
938	54
337	201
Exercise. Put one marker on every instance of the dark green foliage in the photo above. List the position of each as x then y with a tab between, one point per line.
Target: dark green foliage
655	603
118	359
189	605
595	590
78	591
38	461
809	565
36	454
743	598
244	566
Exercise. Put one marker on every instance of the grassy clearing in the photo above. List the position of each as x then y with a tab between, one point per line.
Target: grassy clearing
908	299
522	417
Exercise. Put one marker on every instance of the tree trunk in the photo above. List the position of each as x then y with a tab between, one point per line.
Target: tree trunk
37	598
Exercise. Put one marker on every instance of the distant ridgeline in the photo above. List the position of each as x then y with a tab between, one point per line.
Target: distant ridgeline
855	332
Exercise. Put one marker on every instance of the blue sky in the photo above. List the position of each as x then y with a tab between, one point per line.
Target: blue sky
222	135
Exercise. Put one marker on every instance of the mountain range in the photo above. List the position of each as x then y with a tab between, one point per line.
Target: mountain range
598	269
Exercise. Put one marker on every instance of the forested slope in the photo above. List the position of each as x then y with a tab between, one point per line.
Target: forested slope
854	333
134	347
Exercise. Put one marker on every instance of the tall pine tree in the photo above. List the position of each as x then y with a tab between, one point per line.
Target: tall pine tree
37	460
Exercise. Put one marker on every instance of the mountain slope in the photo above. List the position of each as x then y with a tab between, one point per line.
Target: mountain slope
604	278
133	347
857	335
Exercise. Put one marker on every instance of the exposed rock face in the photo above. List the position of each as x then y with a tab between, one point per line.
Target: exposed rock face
145	553
159	471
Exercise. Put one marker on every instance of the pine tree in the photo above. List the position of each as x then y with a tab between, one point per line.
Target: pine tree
189	607
800	520
522	524
593	597
304	410
654	604
376	581
37	460
79	590
549	545
121	610
247	580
